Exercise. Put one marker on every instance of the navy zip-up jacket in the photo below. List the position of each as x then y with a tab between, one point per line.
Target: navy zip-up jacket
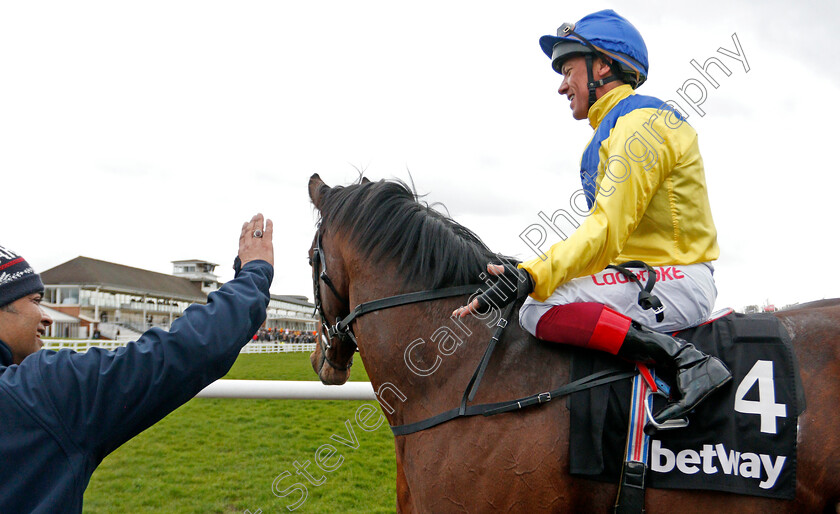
62	412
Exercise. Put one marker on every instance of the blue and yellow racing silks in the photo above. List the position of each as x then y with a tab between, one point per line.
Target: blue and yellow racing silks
643	178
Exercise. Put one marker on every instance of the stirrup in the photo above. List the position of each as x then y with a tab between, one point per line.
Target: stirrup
652	426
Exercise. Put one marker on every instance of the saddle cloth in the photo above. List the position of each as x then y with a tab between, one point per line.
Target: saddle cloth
742	439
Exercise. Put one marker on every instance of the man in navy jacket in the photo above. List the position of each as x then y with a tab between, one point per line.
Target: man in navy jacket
62	412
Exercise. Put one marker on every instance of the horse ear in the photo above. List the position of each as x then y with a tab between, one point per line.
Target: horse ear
365	180
316	190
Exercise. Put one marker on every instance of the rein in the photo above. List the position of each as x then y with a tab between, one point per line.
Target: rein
491	409
342	325
343	331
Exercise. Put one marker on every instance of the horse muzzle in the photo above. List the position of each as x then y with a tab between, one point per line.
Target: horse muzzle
326	373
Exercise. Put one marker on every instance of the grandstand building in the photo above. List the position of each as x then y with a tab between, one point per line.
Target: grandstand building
120	302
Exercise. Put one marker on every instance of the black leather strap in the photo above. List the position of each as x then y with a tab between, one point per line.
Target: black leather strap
587	382
647	300
472	387
404	299
631	489
490	409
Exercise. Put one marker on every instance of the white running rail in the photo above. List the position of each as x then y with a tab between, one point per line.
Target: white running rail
287	390
83	345
250	389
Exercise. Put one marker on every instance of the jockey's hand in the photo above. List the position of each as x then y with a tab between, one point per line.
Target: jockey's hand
512	284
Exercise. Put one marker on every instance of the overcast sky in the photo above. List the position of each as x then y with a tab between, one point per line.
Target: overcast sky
146	132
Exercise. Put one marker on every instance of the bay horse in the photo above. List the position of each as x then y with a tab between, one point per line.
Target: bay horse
376	240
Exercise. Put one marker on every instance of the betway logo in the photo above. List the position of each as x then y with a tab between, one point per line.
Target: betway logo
748	465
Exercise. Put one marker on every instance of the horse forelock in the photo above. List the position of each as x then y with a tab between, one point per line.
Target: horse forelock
387	221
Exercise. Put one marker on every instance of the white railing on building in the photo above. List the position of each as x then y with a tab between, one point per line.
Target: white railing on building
83	345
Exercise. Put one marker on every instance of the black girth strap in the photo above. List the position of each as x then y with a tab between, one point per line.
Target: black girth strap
631	489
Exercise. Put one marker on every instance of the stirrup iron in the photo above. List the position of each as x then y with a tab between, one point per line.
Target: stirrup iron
652	426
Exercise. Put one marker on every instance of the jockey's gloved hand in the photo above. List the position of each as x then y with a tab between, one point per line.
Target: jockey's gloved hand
514	284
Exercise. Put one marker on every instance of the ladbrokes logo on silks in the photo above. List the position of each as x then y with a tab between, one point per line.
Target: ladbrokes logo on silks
711	459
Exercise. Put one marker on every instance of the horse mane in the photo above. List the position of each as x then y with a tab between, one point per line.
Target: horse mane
386	220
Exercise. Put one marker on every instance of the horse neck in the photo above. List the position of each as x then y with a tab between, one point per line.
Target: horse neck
419	358
416	351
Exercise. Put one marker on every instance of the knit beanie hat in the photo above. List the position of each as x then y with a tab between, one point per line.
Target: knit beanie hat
17	278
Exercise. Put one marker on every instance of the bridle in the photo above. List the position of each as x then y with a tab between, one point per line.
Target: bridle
341	328
318	260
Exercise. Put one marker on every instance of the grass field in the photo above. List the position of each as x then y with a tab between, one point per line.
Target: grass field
219	455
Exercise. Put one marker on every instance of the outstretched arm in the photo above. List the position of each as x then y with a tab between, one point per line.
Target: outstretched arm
101	399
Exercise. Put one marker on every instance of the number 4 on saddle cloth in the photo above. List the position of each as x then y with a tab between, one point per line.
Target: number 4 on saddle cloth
742	439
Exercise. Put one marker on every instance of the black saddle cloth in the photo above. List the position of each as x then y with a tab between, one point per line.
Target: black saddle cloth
721	449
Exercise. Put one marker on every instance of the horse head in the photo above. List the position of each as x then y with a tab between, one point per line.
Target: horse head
377	240
334	352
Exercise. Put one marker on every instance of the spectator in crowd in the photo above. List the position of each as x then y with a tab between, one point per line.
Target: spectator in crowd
62	412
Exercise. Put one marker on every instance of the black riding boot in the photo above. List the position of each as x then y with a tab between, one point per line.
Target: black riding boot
697	374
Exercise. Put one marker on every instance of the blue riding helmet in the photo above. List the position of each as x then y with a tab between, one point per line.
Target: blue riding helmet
606	33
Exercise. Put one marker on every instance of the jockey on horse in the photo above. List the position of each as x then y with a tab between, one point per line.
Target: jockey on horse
644	183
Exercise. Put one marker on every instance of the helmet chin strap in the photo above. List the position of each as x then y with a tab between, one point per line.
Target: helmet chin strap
591	83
